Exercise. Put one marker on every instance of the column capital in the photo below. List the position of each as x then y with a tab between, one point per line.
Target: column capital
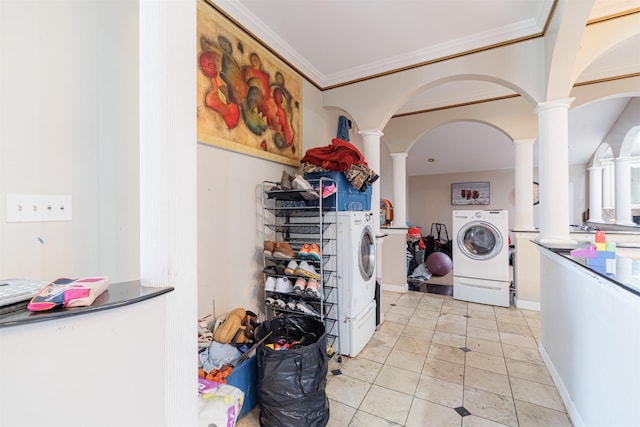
595	168
623	159
368	132
557	103
525	141
399	154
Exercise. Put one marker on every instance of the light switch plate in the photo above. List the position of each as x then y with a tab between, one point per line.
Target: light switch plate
38	207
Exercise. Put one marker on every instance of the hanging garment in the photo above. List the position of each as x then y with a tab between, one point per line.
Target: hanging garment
343	128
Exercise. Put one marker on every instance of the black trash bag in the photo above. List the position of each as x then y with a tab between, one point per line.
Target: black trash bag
292	383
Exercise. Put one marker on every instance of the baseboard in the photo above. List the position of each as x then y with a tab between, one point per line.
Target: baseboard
528	305
572	411
395	288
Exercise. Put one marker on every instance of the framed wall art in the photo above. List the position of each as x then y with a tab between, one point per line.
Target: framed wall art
470	193
248	100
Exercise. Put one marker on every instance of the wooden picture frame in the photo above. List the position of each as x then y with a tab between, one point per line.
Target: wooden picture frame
248	100
470	193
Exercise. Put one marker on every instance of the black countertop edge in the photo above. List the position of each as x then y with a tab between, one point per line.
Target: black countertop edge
117	295
564	250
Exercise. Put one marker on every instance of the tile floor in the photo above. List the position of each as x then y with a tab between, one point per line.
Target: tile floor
436	361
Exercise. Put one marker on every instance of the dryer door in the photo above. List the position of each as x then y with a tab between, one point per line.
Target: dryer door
479	240
367	254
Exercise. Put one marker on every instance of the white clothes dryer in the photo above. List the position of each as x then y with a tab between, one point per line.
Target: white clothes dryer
481	256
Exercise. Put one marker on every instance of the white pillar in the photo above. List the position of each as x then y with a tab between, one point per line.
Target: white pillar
399	189
607	185
595	193
168	190
623	191
371	142
524	184
553	161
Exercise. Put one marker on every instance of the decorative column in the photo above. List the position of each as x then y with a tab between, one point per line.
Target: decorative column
553	137
595	193
168	189
607	185
399	189
371	143
623	191
524	184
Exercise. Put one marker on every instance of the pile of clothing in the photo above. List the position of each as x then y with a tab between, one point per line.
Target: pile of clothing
340	156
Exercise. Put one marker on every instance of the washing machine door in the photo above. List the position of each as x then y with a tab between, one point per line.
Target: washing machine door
479	240
367	254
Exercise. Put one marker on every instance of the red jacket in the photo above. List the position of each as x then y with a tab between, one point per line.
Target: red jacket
338	156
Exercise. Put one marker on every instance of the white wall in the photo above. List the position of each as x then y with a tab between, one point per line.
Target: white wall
69	125
230	217
429	198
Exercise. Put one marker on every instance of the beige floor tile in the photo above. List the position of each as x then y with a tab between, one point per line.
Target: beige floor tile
397	317
428	414
421	322
427	312
452	328
515	328
363	419
383	338
252	419
484	346
418	332
482	323
430	305
445	338
473	421
486	361
391	327
528	371
377	353
478	314
530	415
446	352
480	307
452	372
533	321
523	354
448	309
377	402
507	318
512	311
518	340
492	406
347	390
407	301
487	381
483	334
398	379
530	314
439	391
399	309
413	345
340	415
536	393
362	369
405	360
452	318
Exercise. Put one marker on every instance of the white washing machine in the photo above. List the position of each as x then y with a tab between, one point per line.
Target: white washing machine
356	281
481	256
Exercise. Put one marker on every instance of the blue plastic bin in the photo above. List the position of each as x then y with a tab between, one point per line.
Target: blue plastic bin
349	197
244	377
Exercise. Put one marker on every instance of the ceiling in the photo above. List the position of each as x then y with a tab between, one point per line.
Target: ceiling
335	42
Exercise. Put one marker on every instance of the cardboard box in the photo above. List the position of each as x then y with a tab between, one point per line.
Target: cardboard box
245	377
349	197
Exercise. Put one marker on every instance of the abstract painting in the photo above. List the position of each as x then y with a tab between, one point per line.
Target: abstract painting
248	100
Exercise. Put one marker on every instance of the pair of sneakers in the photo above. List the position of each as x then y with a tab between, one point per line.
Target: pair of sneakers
309	287
302	269
281	285
309	251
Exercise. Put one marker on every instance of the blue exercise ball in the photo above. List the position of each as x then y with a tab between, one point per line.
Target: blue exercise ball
439	264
